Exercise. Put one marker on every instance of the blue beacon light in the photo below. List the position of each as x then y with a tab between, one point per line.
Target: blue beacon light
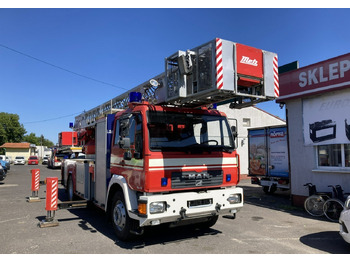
135	97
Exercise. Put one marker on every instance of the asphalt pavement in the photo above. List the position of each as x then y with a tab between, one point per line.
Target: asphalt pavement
267	224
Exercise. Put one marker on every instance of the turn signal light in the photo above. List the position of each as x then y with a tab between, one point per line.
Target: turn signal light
142	208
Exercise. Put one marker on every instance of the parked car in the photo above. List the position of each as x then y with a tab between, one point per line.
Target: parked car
33	160
9	159
45	160
344	221
5	163
2	173
19	160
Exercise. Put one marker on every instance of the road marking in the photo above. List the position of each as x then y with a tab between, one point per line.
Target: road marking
8	185
264	239
13	219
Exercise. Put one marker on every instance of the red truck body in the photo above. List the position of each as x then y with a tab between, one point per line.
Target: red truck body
165	154
67	138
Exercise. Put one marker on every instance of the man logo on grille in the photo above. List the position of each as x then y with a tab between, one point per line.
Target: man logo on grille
199	183
196	176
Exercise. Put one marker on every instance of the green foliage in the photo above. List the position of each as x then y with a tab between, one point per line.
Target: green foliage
39	141
11	131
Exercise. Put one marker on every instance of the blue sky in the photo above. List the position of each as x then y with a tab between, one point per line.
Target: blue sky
125	47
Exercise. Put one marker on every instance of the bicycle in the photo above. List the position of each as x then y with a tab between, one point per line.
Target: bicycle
315	202
334	206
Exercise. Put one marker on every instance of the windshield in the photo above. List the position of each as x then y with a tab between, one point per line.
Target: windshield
181	131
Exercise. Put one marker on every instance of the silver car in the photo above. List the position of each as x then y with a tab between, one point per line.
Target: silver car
19	160
344	221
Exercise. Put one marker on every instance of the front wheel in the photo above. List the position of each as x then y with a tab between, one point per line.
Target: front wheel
314	205
123	225
332	209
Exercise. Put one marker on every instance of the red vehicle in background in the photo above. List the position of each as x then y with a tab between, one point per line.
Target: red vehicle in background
33	160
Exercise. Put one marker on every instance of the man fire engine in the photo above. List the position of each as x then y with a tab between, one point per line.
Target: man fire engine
162	153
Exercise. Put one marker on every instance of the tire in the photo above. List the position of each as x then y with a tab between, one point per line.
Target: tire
314	205
70	189
123	225
270	190
332	209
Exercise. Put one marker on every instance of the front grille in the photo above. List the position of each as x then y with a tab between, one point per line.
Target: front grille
196	179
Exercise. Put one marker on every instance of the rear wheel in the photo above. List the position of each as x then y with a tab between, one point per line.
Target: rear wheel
314	205
123	225
270	189
332	209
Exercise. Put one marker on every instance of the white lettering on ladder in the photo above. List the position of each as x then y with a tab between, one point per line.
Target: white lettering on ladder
248	61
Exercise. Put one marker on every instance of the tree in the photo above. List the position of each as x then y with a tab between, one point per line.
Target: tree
11	130
33	139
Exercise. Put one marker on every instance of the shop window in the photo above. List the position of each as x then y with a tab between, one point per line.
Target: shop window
347	154
329	155
336	155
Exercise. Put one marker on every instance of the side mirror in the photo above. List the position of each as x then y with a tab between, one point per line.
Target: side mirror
125	143
234	131
137	155
127	155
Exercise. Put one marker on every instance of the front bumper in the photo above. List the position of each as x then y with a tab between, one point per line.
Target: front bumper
191	205
344	222
57	164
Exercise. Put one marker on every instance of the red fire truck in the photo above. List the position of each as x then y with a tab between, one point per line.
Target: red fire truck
162	153
67	143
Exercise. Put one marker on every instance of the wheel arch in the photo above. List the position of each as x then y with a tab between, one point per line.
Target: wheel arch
118	183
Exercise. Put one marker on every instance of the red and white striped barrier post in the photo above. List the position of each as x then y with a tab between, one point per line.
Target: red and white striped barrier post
51	202
35	185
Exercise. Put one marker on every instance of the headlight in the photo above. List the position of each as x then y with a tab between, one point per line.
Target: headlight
157	207
347	203
234	198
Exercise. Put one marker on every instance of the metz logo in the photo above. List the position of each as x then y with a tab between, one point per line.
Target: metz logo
246	60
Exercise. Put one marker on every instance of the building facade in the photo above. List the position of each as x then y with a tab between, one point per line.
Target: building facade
317	100
18	149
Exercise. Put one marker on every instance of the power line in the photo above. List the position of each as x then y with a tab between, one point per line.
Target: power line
61	68
51	119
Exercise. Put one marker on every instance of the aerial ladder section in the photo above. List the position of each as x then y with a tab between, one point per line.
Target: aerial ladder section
217	72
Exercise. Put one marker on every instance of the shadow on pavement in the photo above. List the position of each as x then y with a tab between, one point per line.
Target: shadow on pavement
95	220
334	244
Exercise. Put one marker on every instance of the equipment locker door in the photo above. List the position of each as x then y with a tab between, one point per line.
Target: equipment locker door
100	162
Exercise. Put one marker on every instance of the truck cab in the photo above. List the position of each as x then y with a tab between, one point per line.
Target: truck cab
171	165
